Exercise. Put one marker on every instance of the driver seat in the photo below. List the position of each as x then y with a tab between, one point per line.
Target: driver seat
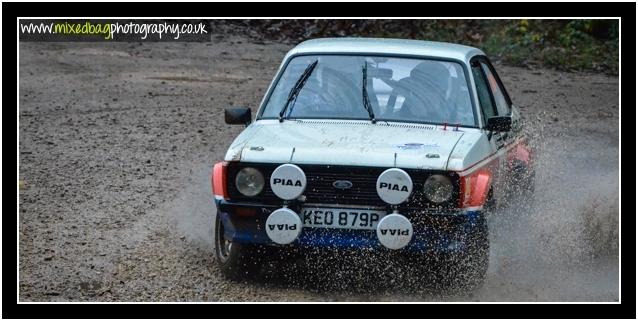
424	92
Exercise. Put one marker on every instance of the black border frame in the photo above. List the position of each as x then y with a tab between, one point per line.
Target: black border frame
374	311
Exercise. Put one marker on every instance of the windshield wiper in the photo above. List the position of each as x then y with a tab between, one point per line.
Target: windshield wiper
366	99
292	96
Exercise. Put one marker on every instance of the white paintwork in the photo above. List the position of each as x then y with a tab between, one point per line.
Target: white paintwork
470	149
386	46
356	143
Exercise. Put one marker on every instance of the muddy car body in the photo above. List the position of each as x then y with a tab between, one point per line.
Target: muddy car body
395	145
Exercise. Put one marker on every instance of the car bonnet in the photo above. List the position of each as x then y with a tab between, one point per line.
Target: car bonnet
352	143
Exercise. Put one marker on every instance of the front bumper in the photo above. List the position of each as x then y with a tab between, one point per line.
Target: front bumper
443	232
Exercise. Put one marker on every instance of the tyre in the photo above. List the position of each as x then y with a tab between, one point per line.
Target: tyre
465	271
236	261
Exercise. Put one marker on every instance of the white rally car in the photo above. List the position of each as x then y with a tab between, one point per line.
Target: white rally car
394	145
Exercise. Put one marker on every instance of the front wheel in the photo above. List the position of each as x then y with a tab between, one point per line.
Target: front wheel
237	261
465	271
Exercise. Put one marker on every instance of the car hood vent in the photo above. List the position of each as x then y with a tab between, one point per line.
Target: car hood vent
367	123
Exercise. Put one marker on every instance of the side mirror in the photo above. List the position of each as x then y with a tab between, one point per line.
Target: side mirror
237	116
499	124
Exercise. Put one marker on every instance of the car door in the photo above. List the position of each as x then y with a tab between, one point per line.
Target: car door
495	101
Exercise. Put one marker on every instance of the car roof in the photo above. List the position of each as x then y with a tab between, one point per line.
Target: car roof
386	46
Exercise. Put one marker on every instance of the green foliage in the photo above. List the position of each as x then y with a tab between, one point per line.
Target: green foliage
561	44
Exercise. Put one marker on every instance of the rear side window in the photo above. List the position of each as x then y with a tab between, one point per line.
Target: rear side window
483	92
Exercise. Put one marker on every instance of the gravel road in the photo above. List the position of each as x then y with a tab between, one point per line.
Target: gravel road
117	140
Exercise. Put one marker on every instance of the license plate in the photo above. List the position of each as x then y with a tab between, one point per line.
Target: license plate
345	218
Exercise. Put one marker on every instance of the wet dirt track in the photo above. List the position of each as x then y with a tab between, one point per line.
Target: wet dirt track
116	146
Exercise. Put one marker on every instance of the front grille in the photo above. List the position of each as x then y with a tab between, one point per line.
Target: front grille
320	189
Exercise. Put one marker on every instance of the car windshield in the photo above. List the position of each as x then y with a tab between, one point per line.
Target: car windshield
398	89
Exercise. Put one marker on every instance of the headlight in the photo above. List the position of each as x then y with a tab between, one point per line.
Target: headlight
249	181
438	188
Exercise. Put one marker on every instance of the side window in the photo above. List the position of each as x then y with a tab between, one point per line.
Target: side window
483	91
502	107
